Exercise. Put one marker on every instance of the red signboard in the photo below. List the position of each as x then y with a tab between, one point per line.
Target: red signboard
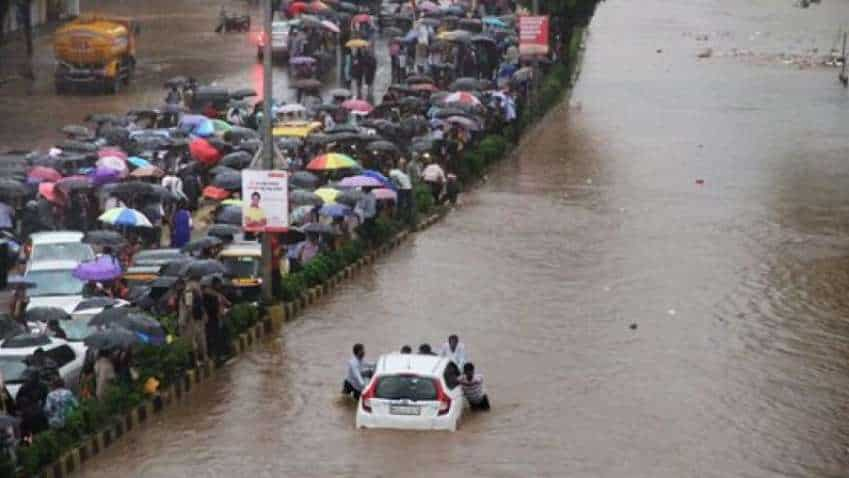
533	35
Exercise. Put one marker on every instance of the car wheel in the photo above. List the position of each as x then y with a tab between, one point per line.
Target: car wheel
115	85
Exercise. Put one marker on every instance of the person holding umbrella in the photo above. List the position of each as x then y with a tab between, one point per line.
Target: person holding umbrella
181	226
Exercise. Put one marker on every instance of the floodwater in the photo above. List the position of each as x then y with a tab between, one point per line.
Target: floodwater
738	364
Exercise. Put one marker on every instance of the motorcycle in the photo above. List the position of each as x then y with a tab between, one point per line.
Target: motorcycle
233	22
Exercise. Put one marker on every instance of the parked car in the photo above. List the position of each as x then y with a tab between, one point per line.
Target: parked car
68	356
55	286
57	245
416	392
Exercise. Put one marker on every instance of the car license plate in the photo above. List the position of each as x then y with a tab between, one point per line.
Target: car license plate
404	410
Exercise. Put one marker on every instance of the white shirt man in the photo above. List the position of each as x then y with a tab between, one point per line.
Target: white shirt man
455	350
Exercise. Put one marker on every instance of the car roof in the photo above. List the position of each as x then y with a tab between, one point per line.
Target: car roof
56	237
236	249
395	363
55	265
16	351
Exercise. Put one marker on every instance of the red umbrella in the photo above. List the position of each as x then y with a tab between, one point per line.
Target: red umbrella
424	87
361	18
297	8
358	106
215	193
44	174
204	152
51	193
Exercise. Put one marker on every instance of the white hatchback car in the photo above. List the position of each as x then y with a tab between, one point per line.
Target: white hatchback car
55	285
415	392
57	246
68	356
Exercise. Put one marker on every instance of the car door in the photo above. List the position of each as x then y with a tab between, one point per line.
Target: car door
451	381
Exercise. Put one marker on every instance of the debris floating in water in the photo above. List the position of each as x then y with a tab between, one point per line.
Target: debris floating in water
634	326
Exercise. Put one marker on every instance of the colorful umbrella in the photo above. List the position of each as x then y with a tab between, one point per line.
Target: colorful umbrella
43	173
331	161
462	97
360	181
384	194
104	175
215	193
328	195
104	268
138	162
113	162
384	181
335	210
204	152
51	193
124	216
356	43
358	106
220	126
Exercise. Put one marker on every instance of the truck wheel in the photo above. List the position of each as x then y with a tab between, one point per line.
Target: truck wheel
114	86
259	54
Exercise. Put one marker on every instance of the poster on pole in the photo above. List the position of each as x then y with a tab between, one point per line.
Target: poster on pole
265	196
533	35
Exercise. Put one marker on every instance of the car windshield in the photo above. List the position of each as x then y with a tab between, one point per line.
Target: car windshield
54	282
406	387
77	329
241	266
74	251
12	367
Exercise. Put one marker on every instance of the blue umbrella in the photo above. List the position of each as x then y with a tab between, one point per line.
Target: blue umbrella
411	35
335	210
104	268
383	179
494	22
138	162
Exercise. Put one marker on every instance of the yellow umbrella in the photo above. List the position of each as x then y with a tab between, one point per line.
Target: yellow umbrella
295	129
328	195
356	43
232	202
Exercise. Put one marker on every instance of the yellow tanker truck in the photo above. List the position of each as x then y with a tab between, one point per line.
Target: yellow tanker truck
95	50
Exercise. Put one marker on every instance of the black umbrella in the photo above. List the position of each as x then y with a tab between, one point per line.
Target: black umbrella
129	188
237	160
222	231
46	314
304	180
110	315
317	228
350	197
422	146
96	303
164	282
251	146
222	170
112	337
383	147
229	215
7	421
26	340
77	146
307	84
136	322
340	93
176	82
466	83
341	128
10	328
204	267
228	181
176	267
305	198
68	185
104	238
201	244
76	130
12	188
18	281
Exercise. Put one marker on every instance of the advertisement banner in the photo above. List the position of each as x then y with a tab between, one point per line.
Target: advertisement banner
533	35
265	196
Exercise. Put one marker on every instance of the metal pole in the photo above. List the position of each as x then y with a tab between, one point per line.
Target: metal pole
842	77
536	69
267	143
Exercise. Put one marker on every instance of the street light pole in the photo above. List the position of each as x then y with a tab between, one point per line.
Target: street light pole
267	143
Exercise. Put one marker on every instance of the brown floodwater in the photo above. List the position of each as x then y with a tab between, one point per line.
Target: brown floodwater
738	364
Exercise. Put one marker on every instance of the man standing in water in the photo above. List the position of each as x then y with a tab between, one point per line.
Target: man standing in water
354	381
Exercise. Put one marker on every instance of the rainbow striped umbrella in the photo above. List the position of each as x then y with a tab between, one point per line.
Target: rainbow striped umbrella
330	161
124	216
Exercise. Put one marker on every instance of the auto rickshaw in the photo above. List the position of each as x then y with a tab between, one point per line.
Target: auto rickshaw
95	50
295	129
243	261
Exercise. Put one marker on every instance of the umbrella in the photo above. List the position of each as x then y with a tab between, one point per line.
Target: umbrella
237	160
104	238
494	22
360	182
97	303
220	126
350	197
328	195
76	130
356	43
228	181
148	330
18	282
304	180
383	146
201	244
109	315
223	170
466	83
384	181
42	173
45	314
164	282
204	267
302	60
361	18
232	202
316	228
358	106
385	194
335	210
215	193
129	188
12	188
424	87
204	152
8	421
103	175
297	8
332	161
229	215
138	162
291	108
342	128
306	84
462	97
223	230
51	193
112	152
300	213
104	268
113	162
124	216
148	172
339	93
464	122
330	26
301	198
10	328
113	337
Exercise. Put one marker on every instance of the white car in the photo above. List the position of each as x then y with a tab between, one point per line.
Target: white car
55	286
414	392
57	245
68	356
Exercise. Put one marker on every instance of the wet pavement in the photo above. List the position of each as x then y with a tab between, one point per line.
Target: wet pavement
703	200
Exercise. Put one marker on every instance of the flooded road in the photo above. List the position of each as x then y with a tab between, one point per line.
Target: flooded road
738	364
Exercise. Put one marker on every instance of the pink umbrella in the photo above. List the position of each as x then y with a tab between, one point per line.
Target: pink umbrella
360	181
462	97
358	106
385	194
42	173
330	26
428	6
112	151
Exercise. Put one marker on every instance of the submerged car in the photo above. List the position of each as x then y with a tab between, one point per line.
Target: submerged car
413	392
